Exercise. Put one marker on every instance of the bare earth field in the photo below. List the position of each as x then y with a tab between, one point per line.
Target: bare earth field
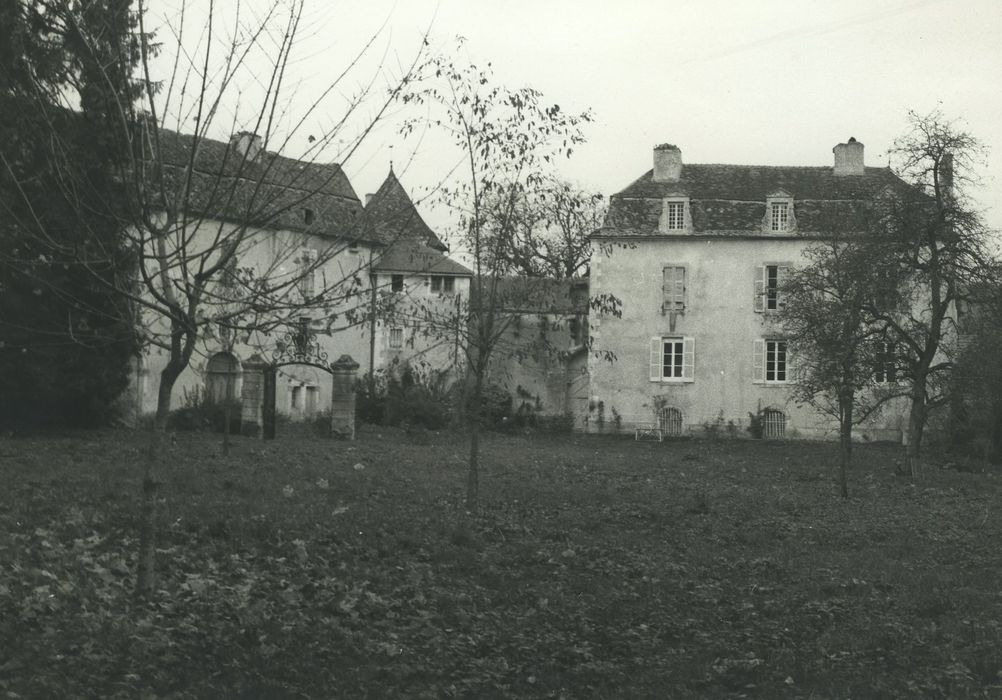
599	568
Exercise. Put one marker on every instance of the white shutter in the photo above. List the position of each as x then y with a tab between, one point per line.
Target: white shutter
759	298
688	359
758	361
791	368
656	359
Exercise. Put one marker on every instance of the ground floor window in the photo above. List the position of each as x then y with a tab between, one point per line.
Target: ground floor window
670	421
773	423
672	359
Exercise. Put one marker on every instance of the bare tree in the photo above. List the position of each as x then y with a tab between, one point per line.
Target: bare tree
550	236
229	236
506	139
933	244
222	237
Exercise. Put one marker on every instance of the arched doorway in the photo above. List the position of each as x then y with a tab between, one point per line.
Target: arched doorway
222	373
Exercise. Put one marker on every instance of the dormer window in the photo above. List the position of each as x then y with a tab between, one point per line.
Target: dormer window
675	215
780	216
779	213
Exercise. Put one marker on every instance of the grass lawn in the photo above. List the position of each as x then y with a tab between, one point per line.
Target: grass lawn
599	568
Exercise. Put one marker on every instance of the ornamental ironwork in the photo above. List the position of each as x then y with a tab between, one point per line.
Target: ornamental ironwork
299	346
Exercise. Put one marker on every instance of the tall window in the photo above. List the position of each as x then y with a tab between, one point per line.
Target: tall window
307	271
780	216
768	287
775	361
885	371
673	288
396	283
675	215
672	359
771	363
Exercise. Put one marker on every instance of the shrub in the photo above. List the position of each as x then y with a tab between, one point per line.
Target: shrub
202	413
415	400
755	425
495	408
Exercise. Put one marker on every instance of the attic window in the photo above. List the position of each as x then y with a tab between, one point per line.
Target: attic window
780	216
675	215
309	216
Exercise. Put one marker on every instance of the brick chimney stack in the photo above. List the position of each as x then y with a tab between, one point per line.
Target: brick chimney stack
849	158
667	163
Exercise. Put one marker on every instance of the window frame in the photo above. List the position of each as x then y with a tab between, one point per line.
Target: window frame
772	203
683	219
885	370
687	359
442	284
766	293
760	362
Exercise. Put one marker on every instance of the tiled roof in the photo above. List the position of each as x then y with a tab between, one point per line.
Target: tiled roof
270	190
731	199
391	216
411	256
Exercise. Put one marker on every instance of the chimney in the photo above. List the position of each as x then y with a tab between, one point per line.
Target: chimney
849	158
946	173
247	144
368	198
667	163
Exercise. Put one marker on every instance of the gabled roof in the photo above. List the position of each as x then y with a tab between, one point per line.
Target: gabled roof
391	216
270	190
731	199
411	257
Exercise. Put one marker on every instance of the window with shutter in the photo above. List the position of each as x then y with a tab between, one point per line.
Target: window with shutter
769	281
673	288
672	359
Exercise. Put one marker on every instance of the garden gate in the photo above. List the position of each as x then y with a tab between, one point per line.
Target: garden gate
298	346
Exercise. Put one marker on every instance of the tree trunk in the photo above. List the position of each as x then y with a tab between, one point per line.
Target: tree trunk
473	468
146	567
168	377
916	425
845	449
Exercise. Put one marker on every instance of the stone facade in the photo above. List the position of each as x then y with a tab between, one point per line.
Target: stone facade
695	253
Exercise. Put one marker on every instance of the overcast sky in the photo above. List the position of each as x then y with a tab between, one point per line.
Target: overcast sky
772	82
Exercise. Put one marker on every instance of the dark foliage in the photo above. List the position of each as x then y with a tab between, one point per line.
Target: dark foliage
65	339
201	413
